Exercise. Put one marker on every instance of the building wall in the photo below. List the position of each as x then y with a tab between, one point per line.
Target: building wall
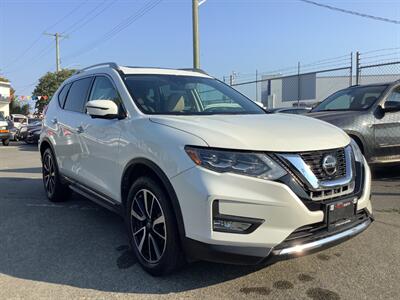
4	98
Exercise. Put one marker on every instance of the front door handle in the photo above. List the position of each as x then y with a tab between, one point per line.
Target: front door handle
54	121
80	129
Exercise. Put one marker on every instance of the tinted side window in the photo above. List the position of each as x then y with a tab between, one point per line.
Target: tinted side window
103	89
77	95
394	95
63	94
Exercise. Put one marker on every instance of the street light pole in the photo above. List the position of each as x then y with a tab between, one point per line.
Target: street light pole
195	17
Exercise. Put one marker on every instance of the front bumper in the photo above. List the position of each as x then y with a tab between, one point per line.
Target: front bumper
276	203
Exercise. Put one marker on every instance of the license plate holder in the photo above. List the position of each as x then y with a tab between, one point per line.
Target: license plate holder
340	213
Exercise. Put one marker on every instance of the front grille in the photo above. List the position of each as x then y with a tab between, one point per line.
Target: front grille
314	160
332	193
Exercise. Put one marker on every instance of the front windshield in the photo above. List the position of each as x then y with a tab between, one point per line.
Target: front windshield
356	98
187	95
19	120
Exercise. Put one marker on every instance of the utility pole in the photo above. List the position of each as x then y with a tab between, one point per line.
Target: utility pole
195	17
57	38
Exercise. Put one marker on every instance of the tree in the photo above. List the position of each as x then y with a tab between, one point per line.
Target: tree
47	86
18	108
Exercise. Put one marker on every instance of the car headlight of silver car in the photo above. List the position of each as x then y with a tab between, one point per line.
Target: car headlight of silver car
358	156
244	163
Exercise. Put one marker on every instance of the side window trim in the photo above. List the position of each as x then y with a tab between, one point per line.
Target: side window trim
68	86
86	96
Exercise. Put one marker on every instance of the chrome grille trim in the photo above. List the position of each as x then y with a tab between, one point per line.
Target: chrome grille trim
332	193
306	174
314	160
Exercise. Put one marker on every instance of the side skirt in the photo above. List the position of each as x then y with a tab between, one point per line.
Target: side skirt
95	196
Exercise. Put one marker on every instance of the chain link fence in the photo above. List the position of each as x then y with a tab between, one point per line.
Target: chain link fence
308	84
303	85
378	66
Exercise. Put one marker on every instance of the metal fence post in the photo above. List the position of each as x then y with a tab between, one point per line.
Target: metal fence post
256	85
351	68
298	84
357	68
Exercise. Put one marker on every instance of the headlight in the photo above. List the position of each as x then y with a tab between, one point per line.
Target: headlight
243	163
358	156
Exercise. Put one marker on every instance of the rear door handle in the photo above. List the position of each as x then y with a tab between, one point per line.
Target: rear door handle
80	129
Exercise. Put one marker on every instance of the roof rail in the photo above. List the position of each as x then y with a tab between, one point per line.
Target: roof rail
110	64
195	70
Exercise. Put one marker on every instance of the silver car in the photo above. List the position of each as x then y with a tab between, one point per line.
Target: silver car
370	114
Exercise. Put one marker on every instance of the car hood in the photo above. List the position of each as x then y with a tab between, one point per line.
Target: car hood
274	132
334	116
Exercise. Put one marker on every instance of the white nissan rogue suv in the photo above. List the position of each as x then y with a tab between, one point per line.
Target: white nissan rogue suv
199	171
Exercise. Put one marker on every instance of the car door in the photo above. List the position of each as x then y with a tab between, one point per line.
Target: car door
387	130
101	137
68	143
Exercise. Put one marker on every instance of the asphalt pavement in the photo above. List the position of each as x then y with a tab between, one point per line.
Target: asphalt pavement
78	250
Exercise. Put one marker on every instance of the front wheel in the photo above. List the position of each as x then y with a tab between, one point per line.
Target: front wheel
152	228
56	191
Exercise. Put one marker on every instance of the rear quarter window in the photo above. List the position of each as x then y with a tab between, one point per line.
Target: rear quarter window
62	95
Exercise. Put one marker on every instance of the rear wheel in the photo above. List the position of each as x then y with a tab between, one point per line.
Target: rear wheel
6	142
152	228
56	191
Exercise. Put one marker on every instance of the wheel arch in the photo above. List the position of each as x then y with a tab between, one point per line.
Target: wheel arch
44	144
358	139
144	167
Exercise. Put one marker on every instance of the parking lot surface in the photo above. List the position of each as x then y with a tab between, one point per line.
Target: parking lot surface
77	249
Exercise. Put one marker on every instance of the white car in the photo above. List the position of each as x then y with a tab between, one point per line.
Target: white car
199	171
19	120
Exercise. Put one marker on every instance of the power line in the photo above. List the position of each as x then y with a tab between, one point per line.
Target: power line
149	5
351	12
23	53
88	18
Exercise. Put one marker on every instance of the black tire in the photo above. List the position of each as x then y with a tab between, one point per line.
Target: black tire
56	191
150	238
6	142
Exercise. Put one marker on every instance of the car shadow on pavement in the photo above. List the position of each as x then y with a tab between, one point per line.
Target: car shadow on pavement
81	244
22	170
22	146
386	173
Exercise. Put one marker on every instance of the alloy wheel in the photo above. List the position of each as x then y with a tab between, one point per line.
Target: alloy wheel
148	226
49	176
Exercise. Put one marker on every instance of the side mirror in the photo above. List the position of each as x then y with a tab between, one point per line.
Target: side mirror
104	109
392	106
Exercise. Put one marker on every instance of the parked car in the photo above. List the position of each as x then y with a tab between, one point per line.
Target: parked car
19	120
33	134
23	131
4	130
370	114
13	131
290	110
194	180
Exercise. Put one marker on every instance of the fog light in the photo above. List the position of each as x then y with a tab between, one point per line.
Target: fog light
230	226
